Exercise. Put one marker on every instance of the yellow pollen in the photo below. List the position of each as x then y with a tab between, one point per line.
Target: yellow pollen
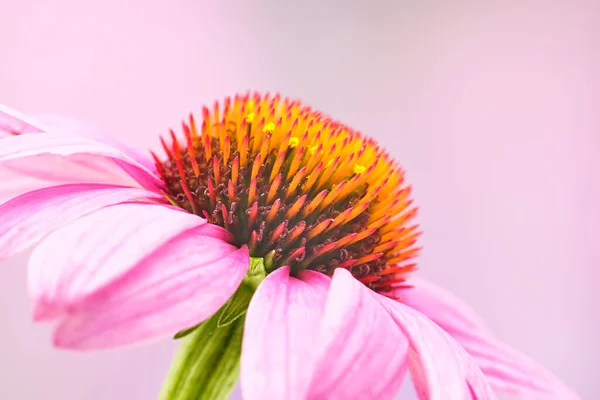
359	169
329	163
294	141
250	117
313	149
270	127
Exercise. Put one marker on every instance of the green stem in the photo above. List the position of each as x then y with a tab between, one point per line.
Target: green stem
207	364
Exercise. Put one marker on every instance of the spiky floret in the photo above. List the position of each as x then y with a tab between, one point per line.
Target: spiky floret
296	187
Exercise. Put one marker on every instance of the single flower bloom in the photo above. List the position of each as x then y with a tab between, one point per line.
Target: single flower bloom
131	248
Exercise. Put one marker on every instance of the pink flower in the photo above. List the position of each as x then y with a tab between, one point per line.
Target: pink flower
129	250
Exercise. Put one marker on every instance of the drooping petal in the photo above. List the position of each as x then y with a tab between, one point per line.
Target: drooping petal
72	127
508	371
281	326
440	368
90	253
55	156
20	176
177	286
10	187
361	353
13	122
25	220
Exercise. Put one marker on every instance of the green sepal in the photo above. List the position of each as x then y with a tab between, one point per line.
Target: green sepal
182	334
256	273
236	306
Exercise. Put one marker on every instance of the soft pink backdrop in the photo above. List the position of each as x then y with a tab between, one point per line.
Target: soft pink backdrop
491	108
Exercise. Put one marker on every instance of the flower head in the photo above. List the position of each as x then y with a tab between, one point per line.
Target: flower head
298	188
132	250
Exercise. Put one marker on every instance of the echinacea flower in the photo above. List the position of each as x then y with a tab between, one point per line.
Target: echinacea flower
289	234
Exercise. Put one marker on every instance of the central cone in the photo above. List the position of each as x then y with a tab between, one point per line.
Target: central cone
296	187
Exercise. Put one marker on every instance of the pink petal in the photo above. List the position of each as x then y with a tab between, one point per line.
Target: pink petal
361	352
90	253
44	149
279	335
13	122
26	219
72	127
12	187
440	368
507	370
177	286
21	176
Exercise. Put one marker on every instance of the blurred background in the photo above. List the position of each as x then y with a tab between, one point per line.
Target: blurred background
490	106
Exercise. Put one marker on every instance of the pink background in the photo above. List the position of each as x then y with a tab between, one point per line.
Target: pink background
492	109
